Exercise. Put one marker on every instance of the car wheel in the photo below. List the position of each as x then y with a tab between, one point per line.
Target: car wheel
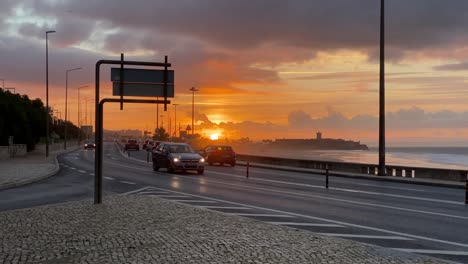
200	171
155	166
233	164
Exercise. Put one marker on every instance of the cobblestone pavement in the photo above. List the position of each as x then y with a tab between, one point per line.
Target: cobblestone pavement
32	167
142	229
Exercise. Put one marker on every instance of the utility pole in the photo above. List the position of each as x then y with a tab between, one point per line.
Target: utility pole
382	92
193	106
175	119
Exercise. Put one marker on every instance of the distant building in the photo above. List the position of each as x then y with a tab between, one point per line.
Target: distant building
319	143
319	135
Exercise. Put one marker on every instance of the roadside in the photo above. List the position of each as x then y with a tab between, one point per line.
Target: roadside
32	167
143	229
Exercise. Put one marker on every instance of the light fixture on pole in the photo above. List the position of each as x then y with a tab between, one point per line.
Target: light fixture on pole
47	91
193	106
66	105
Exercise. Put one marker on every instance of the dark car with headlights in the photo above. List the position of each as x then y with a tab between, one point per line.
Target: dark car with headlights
221	154
177	156
89	145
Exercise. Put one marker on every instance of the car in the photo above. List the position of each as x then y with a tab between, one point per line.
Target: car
132	144
89	145
219	154
177	156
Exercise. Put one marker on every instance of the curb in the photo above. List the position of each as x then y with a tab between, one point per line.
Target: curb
454	185
39	178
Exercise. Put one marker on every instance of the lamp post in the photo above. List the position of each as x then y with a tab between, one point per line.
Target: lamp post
47	91
193	105
78	121
66	105
175	119
382	171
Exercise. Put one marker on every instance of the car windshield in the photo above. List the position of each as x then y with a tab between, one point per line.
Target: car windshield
132	141
180	149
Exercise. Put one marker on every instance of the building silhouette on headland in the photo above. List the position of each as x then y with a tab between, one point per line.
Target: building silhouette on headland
319	143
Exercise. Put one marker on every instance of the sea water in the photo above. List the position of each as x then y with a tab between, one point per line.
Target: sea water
427	157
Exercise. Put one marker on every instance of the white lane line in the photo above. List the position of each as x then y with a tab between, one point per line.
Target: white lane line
109	178
82	171
329	220
366	236
192	201
169	196
225	207
152	192
344	189
92	174
304	224
127	182
72	168
262	215
138	190
307	176
61	164
311	195
436	252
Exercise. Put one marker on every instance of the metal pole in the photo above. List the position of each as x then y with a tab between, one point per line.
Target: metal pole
157	114
382	171
193	107
466	189
47	91
3	83
175	119
66	105
247	170
326	174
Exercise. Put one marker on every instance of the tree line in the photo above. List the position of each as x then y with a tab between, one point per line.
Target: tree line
25	120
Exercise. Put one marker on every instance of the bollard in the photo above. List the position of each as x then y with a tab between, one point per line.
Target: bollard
128	153
326	181
147	156
247	171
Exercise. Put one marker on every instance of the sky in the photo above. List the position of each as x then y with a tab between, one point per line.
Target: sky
264	69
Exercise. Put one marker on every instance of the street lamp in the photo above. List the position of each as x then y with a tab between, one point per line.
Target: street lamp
66	105
78	121
175	118
193	105
47	91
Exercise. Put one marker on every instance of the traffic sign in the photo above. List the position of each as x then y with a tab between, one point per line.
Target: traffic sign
141	75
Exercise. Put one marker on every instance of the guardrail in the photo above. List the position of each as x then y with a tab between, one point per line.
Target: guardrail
362	168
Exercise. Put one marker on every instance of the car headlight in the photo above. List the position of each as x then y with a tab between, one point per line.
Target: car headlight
176	159
202	160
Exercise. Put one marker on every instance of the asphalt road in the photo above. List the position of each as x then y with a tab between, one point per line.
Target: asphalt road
413	218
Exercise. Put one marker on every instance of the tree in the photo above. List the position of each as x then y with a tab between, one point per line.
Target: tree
160	134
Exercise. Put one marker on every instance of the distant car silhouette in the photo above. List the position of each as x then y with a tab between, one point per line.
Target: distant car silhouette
89	145
132	144
219	154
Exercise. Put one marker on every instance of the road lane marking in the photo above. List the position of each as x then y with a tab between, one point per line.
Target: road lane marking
344	189
170	196
92	174
262	215
82	171
327	220
135	191
311	195
436	252
304	224
72	168
225	207
366	236
308	177
151	192
109	178
127	182
192	201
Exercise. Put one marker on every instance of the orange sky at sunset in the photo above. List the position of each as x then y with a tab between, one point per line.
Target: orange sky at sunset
264	70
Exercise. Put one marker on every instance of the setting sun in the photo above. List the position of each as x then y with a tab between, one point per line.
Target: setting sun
214	137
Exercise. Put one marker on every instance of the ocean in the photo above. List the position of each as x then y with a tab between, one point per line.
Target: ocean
427	157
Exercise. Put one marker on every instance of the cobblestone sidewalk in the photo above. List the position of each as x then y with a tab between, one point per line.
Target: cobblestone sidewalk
142	229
